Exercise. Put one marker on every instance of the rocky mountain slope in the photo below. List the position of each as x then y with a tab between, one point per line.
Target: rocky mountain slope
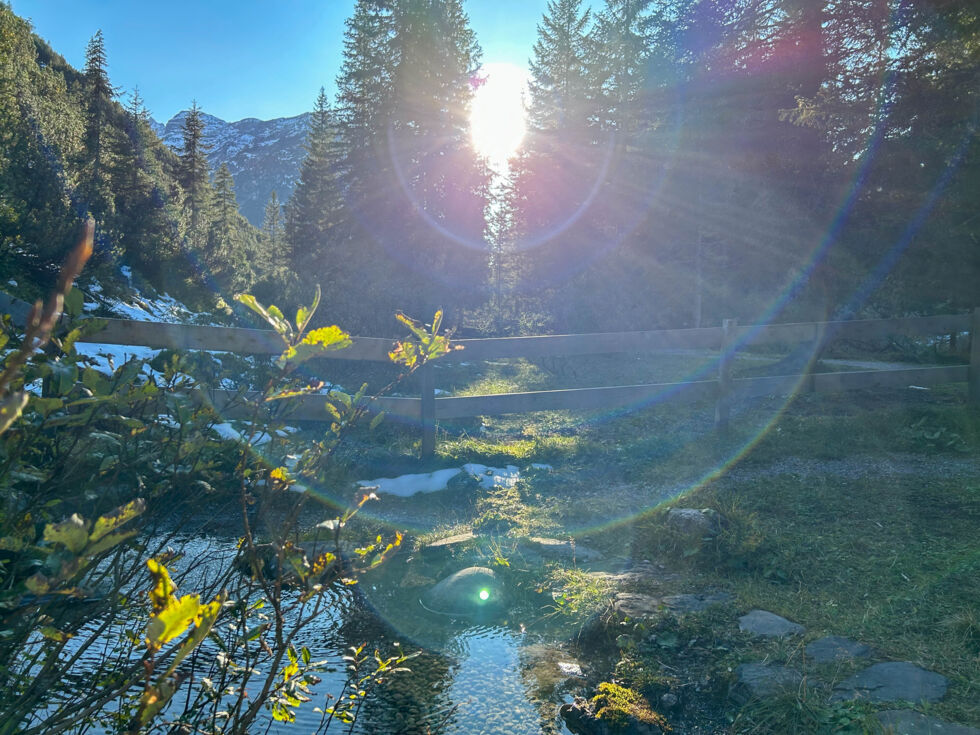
262	155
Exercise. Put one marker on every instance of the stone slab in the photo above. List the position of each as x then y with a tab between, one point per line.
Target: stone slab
637	606
836	648
891	682
769	625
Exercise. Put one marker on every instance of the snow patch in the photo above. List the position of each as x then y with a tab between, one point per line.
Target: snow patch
406	486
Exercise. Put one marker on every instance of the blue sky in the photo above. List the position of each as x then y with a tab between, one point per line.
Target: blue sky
240	58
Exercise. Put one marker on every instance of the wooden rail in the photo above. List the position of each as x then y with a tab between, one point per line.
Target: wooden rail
730	337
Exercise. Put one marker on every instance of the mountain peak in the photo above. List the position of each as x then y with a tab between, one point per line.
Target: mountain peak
262	155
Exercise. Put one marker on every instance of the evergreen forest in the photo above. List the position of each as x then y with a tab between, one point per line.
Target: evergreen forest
684	161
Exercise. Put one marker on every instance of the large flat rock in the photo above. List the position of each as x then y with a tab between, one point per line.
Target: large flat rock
891	682
910	722
759	681
833	648
637	606
769	625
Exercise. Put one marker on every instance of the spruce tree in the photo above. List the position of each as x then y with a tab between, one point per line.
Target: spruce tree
99	94
193	175
559	85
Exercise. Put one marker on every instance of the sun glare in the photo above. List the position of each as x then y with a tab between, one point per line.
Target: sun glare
497	121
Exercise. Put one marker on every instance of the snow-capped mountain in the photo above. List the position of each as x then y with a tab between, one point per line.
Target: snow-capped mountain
262	155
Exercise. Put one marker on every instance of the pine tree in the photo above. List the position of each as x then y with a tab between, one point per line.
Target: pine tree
193	175
559	85
272	228
99	94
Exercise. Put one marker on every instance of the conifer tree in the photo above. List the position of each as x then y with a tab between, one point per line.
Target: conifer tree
558	66
193	175
272	228
99	94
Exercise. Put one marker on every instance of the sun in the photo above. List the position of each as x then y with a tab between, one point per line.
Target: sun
497	113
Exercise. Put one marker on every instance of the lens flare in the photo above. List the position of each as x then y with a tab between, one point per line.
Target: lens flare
484	595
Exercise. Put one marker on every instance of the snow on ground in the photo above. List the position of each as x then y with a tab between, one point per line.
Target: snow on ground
407	485
99	355
226	431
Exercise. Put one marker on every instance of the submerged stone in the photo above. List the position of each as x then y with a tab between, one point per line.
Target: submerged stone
893	681
468	592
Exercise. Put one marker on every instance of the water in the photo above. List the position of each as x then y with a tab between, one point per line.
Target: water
468	677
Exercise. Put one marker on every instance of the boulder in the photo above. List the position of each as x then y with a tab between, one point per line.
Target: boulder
910	722
693	522
893	681
637	606
469	592
769	625
758	681
836	648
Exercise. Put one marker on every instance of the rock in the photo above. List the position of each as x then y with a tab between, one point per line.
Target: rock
567	668
553	548
694	522
836	648
892	681
459	538
637	606
769	625
668	701
909	722
682	604
468	592
758	681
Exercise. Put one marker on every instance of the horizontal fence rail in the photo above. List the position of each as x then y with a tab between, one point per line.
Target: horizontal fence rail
728	338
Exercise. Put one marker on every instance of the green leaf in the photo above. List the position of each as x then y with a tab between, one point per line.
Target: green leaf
53	634
63	377
376	420
71	533
155	699
74	302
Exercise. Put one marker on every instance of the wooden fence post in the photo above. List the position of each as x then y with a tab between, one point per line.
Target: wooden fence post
973	376
729	329
428	412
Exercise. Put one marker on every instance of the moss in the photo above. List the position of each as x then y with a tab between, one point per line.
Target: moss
617	706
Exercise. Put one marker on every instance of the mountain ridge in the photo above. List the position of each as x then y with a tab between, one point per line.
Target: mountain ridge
262	155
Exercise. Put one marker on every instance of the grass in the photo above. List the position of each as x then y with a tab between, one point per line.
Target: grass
843	512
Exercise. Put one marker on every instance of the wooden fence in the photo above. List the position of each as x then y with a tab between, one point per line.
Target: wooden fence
722	389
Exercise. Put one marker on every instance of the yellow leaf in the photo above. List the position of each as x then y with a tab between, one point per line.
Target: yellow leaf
172	620
118	517
162	593
72	533
281	474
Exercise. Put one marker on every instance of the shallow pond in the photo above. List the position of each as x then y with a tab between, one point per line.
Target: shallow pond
470	676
